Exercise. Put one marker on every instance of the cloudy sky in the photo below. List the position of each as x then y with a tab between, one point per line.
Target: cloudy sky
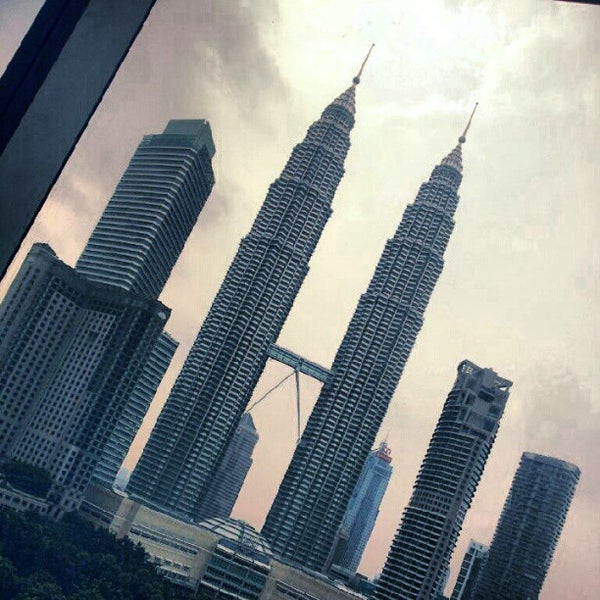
521	285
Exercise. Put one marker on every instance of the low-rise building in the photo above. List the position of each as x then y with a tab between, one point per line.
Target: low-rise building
220	556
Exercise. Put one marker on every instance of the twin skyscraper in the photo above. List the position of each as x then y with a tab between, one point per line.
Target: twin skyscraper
132	252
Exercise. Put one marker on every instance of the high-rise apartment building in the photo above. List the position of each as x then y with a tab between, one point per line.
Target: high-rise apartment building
71	352
314	495
363	509
418	560
135	409
469	571
230	351
156	204
231	473
528	531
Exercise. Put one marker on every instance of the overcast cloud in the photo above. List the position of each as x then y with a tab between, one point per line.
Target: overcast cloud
520	289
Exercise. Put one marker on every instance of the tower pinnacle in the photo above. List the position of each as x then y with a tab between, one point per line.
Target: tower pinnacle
356	79
463	138
454	159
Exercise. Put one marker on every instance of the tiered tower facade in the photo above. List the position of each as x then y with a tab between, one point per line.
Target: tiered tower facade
528	531
314	495
230	351
420	555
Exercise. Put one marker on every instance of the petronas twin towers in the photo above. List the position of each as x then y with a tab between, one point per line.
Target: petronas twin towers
246	317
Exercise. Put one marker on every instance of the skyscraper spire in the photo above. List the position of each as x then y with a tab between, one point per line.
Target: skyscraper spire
463	138
314	494
346	98
454	159
356	79
230	351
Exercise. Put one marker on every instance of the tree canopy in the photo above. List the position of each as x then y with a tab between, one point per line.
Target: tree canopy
28	478
42	559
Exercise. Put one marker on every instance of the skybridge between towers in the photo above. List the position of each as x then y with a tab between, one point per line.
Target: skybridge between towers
299	364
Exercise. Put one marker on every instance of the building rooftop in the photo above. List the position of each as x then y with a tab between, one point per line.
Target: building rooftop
239	532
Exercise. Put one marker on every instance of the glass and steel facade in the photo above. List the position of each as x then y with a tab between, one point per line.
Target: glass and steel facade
231	349
363	509
126	428
231	473
314	495
529	529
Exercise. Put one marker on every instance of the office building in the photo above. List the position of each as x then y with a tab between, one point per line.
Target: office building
231	472
156	204
418	561
230	351
137	242
529	529
469	571
71	351
314	495
363	509
73	45
134	411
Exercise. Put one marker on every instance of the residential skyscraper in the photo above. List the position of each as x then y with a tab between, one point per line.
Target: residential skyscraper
71	351
363	509
469	571
231	472
417	563
314	495
528	531
156	204
230	351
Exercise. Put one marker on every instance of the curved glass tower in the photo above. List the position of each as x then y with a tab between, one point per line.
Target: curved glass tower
313	497
230	351
419	558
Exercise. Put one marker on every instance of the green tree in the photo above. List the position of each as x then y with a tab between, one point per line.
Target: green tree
27	478
70	560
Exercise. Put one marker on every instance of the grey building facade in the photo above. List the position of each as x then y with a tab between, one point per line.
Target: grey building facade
71	351
255	298
231	472
469	571
529	529
137	242
135	409
363	509
317	486
72	45
144	227
417	563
